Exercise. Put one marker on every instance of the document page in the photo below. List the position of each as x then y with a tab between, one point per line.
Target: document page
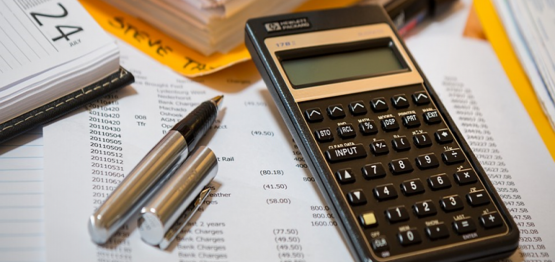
38	35
266	206
472	85
21	198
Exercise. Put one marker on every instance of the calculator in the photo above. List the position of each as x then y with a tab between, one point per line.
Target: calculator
401	181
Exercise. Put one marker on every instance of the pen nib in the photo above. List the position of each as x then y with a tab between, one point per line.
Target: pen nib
217	100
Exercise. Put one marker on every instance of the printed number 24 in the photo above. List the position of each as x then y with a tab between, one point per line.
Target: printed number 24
59	27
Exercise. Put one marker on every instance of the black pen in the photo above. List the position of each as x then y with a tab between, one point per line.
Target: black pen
144	180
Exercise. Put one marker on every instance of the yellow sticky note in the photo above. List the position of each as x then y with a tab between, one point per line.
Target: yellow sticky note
169	51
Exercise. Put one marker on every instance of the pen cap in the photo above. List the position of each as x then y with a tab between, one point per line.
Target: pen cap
163	210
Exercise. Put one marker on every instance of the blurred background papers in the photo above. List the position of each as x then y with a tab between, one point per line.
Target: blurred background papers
193	37
530	26
205	28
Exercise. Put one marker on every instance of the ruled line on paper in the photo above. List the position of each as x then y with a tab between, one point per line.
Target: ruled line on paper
21	199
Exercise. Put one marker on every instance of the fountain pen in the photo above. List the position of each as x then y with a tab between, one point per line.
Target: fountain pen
152	171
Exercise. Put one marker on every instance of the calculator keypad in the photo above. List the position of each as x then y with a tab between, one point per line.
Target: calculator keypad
409	185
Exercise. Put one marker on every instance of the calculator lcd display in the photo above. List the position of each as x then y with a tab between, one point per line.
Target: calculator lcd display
341	66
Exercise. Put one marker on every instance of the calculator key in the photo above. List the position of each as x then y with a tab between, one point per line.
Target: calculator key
464	226
345	176
477	198
385	192
368	219
400	101
390	124
491	220
323	135
379	244
368	127
357	108
467	176
379	147
453	156
372	171
432	117
356	197
439	182
400	166
411	120
346	153
401	143
427	161
411	187
346	131
313	115
379	104
422	140
397	214
451	203
421	98
435	232
409	237
336	111
443	136
425	208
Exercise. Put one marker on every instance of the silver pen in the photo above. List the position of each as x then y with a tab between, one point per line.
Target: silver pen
167	213
144	180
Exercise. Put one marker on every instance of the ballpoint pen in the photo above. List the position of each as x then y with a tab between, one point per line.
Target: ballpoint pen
156	167
167	213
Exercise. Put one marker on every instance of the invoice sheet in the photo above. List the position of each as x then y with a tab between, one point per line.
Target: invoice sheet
473	86
21	199
266	206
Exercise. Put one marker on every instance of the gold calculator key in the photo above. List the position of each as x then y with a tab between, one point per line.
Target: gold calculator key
368	219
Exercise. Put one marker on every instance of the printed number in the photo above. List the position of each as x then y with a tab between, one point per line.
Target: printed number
440	180
398	212
58	27
375	168
453	201
426	206
413	185
35	15
428	159
402	164
386	191
64	35
410	235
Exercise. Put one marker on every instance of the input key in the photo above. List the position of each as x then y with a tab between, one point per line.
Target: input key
346	153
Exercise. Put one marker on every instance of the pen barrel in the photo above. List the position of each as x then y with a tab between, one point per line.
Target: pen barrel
196	123
138	186
182	189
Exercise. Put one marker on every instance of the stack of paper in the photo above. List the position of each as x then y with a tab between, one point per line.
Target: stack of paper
530	26
207	26
49	49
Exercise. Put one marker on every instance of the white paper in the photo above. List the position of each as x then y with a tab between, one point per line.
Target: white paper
472	85
48	49
31	39
264	208
21	199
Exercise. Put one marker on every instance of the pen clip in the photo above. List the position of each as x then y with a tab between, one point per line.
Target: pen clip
191	210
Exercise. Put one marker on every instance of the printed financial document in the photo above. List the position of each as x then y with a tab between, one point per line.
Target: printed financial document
266	206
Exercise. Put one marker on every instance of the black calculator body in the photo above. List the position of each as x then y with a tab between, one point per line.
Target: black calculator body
401	181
